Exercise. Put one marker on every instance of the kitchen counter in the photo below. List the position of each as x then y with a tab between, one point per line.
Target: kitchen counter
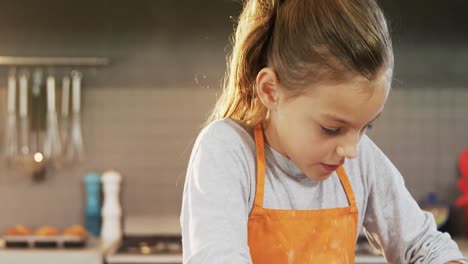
365	259
91	254
370	259
463	245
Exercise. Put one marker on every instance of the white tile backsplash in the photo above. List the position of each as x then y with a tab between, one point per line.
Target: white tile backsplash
147	133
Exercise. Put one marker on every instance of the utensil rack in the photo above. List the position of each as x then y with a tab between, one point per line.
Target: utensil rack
53	61
41	137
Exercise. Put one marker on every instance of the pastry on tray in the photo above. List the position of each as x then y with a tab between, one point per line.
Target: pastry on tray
47	231
76	236
76	231
17	230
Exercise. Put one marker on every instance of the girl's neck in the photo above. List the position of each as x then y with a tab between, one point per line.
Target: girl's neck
271	137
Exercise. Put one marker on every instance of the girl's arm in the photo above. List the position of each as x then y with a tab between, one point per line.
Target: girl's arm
215	205
393	220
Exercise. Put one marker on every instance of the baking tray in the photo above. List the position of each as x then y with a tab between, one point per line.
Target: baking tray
60	241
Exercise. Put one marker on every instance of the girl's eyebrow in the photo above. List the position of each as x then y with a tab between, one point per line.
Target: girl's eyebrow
344	121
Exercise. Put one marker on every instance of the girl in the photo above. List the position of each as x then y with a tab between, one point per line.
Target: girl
284	172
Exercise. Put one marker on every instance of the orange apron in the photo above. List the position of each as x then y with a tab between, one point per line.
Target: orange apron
300	236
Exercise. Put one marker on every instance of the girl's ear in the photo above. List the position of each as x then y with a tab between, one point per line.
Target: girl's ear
268	88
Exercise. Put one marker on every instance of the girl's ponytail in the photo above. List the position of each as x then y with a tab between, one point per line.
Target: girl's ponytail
251	42
303	41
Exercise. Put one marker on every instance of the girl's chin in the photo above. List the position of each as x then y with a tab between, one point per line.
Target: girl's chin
317	173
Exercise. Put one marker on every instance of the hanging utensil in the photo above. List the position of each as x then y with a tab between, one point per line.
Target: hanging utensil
75	152
52	144
23	115
11	137
26	160
35	162
64	118
37	105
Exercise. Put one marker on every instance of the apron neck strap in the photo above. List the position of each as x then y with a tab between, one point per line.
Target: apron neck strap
261	165
344	179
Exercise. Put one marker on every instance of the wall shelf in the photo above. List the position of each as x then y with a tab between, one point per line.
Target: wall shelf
53	61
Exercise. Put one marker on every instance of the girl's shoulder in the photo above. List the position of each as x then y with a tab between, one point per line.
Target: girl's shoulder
369	156
369	151
371	165
227	131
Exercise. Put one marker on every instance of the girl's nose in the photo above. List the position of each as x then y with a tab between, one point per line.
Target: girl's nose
348	151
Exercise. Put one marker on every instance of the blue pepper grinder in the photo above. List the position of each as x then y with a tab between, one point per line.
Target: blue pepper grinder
93	203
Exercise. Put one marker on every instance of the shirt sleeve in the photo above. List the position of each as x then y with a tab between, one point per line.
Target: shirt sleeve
215	206
394	222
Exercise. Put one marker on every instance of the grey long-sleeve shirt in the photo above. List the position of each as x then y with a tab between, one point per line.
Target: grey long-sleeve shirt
219	193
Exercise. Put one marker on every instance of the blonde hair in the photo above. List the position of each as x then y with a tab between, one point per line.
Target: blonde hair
303	41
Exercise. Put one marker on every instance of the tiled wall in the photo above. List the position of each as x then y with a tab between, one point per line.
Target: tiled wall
144	133
422	131
142	113
147	135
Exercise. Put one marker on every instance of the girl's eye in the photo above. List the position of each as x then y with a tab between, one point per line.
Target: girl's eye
370	126
330	131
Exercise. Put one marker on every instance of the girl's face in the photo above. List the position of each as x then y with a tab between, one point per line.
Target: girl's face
319	130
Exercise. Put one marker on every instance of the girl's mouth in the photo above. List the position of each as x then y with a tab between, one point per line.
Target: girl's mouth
329	168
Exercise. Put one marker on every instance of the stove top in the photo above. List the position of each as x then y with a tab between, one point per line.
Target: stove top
161	244
147	249
167	249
